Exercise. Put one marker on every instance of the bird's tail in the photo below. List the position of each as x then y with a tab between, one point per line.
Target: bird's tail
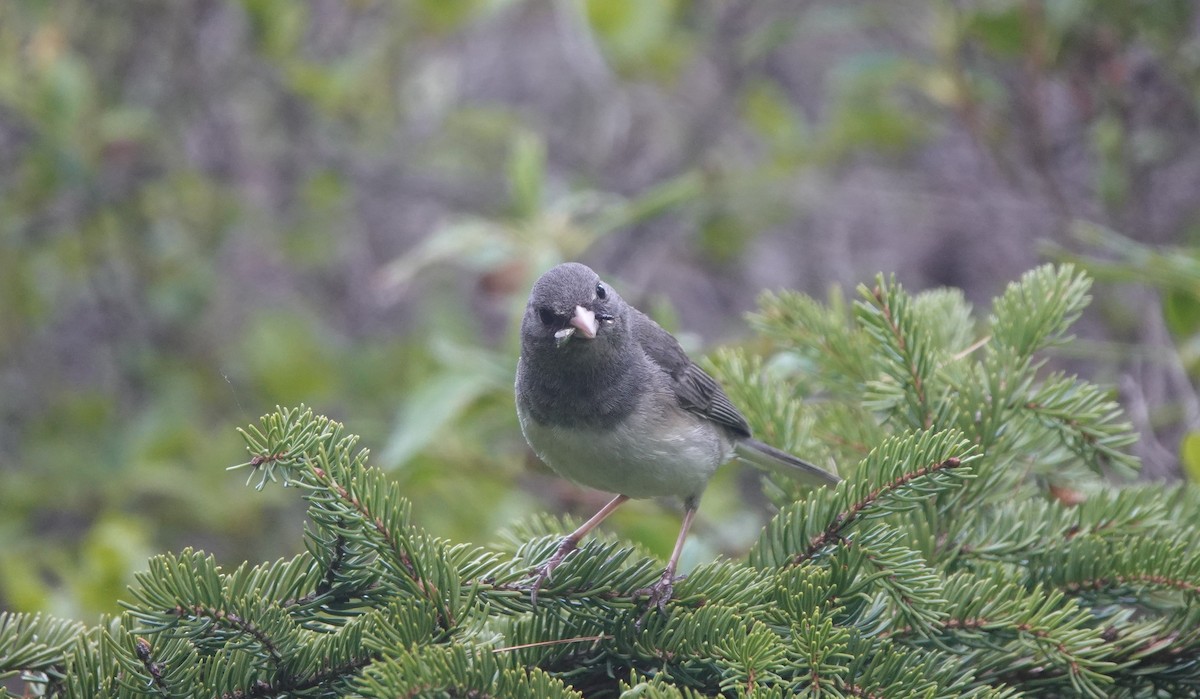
765	455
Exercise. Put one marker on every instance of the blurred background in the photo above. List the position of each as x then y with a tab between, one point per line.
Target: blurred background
209	208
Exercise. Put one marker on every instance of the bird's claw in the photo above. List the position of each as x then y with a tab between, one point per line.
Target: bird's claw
658	594
542	572
541	575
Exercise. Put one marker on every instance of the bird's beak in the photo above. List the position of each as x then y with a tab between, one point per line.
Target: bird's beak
585	321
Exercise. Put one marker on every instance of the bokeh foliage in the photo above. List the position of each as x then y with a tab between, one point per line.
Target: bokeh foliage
209	208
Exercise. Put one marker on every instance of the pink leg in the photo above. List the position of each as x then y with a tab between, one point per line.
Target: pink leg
660	592
688	514
570	542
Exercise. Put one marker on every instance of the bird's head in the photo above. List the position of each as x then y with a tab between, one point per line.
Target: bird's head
572	311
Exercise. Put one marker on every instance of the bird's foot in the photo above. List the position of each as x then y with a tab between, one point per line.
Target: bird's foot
658	594
542	573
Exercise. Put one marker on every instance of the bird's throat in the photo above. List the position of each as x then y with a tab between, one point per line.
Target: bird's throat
574	391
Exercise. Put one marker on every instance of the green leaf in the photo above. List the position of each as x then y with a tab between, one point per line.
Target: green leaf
526	173
768	110
1189	454
635	33
438	402
1003	31
1181	309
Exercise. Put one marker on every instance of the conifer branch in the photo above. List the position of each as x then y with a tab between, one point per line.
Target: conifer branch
856	691
425	587
340	551
843	521
377	523
995	632
145	653
1173	648
1130	580
908	356
232	621
555	642
262	690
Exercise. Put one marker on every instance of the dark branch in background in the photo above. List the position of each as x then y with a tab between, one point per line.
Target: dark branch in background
327	578
341	550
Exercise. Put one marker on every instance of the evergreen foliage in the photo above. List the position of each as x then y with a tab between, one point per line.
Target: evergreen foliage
978	548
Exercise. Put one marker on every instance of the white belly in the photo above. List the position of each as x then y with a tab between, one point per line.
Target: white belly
672	454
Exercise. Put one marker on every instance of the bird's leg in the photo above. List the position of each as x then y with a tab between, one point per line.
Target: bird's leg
660	592
569	543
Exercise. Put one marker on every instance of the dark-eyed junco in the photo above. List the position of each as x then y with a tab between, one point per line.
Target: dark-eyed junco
609	400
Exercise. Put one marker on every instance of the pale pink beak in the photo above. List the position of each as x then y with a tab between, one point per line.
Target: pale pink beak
585	321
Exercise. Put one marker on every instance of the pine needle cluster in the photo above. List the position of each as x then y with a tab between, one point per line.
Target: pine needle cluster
982	545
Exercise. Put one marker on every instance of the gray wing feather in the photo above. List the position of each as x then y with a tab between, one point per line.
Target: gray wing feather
694	388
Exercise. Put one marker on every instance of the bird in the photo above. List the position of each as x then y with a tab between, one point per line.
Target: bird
608	399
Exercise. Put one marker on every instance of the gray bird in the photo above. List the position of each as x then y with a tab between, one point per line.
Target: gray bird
609	400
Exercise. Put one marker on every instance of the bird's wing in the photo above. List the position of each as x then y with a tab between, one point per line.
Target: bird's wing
694	388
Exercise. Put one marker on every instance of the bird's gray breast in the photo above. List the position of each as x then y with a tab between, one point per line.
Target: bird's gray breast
629	436
578	396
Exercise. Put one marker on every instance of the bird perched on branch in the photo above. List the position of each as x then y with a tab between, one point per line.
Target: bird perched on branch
609	400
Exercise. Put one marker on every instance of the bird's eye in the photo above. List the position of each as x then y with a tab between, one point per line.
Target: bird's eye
601	292
547	316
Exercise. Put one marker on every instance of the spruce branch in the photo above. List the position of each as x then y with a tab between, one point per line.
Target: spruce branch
824	335
1012	532
1162	653
327	676
1018	635
1086	420
219	618
845	520
349	499
878	566
459	672
803	532
1036	311
145	653
34	642
376	522
1114	570
904	351
556	642
1126	582
284	440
